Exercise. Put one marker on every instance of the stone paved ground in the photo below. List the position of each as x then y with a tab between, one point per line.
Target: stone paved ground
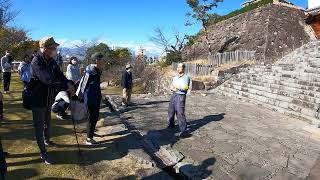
231	139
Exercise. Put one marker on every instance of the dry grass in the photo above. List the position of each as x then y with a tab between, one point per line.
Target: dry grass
105	162
138	89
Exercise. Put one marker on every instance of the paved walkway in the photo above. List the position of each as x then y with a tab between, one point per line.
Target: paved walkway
231	139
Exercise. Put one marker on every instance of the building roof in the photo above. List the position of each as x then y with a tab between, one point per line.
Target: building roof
313	12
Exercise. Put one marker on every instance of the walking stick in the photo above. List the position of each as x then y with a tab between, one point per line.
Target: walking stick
75	133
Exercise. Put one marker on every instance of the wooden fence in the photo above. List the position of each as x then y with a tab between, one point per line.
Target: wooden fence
216	60
195	69
230	57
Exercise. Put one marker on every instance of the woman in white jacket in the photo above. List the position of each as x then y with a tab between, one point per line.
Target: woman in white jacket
73	70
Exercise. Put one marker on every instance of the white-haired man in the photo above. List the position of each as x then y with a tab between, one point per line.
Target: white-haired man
46	80
180	86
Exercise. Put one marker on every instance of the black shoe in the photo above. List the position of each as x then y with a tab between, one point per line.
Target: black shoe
184	135
6	154
92	142
170	126
46	158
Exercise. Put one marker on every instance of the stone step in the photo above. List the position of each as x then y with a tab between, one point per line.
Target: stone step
286	102
312	89
280	90
311	120
265	102
274	80
303	101
287	75
296	71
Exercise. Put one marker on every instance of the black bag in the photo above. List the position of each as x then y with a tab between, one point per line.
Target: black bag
27	94
27	98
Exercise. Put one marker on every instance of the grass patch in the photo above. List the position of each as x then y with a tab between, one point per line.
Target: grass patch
116	90
17	133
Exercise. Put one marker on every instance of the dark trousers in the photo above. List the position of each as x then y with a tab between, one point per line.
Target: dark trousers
3	164
42	123
177	108
1	108
93	119
6	81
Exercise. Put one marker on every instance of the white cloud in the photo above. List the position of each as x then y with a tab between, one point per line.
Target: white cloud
64	43
150	48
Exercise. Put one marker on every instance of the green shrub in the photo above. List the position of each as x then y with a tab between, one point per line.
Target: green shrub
170	58
248	8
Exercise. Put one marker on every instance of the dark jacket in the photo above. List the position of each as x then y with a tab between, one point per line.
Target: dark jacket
46	81
90	87
127	80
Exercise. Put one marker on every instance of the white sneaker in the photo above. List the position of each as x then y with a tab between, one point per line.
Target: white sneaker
60	117
91	142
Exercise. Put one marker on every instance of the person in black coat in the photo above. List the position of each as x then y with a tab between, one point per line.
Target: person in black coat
46	81
127	85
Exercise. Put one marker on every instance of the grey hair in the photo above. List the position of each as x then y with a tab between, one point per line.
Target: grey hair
183	65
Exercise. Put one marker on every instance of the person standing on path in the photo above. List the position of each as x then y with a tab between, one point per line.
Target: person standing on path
90	91
59	60
24	70
180	86
6	65
73	70
127	85
46	80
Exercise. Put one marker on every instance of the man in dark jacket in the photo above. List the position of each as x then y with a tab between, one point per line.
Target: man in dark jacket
90	91
127	85
46	80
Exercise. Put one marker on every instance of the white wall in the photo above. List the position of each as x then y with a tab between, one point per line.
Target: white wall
313	4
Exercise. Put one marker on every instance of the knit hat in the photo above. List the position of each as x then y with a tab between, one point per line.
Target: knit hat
48	42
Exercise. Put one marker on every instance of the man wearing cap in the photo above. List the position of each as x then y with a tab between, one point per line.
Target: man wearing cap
127	85
46	80
180	86
90	91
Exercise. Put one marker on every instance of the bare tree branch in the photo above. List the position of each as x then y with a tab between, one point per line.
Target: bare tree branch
7	13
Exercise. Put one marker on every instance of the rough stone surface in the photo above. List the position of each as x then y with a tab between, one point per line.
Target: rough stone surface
230	139
272	30
289	86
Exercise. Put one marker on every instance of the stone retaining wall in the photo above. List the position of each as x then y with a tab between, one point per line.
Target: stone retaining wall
272	31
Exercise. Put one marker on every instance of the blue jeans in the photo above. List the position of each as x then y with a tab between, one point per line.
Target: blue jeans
177	108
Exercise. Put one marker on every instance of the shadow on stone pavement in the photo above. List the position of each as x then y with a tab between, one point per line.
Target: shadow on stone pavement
167	136
142	106
190	171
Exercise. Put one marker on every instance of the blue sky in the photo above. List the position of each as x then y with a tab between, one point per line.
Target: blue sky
128	23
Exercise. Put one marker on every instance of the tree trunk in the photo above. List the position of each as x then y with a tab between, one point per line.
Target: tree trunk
207	40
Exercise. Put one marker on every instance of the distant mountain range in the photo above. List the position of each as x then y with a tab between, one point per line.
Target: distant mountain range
80	52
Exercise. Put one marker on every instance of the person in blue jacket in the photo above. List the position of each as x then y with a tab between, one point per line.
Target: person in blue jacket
24	70
90	91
